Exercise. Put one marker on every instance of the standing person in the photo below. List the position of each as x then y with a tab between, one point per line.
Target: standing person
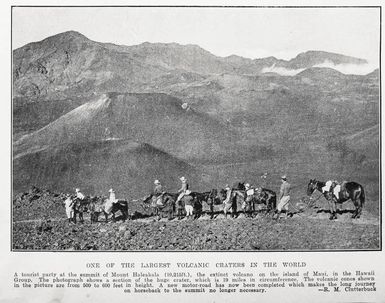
284	197
158	193
188	203
183	189
227	203
68	203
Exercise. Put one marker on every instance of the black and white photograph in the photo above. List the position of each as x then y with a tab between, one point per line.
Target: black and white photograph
182	128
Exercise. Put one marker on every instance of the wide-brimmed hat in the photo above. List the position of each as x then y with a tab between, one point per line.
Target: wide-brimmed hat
284	177
156	182
183	179
111	191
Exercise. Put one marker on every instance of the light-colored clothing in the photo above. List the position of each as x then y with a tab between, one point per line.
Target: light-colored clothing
183	188
113	197
283	203
327	186
189	210
182	191
80	196
284	190
108	206
69	208
158	190
227	203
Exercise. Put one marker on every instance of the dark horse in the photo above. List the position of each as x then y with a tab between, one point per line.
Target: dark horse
259	196
207	197
167	206
213	199
237	197
99	205
80	207
262	196
349	191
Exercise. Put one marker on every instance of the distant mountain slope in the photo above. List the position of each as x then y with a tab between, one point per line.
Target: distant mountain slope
157	119
312	58
69	64
95	167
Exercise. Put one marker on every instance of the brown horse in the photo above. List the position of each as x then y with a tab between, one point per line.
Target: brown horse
236	197
167	205
98	206
80	207
349	191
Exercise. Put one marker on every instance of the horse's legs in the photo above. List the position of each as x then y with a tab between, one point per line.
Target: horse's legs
333	209
212	211
158	217
358	208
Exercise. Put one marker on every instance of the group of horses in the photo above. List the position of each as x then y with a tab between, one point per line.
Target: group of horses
97	206
238	199
211	198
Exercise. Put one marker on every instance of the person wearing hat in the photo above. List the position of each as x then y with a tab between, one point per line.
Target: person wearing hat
188	201
248	204
284	197
69	205
227	203
183	189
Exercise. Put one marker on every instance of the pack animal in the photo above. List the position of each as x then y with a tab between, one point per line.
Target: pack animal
101	205
163	204
348	191
257	196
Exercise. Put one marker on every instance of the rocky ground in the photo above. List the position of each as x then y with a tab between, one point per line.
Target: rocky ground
40	224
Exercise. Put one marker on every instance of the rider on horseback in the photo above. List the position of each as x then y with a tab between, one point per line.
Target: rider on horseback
110	201
183	189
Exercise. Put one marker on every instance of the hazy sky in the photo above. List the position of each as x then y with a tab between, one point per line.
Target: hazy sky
250	32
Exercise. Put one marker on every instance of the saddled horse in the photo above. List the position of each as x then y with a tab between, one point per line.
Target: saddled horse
103	205
267	197
236	197
349	191
199	199
167	204
260	196
212	200
80	206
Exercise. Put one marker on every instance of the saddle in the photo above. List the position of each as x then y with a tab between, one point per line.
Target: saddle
338	189
157	201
